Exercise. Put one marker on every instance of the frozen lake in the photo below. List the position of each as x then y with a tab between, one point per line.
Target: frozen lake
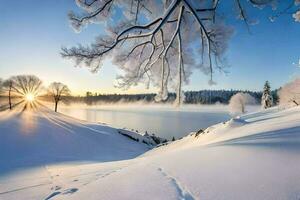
164	121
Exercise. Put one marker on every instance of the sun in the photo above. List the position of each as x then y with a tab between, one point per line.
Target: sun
29	97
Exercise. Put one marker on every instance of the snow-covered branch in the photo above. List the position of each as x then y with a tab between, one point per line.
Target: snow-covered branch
140	38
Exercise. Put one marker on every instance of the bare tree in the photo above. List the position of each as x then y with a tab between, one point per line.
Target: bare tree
58	90
22	86
159	42
26	84
8	86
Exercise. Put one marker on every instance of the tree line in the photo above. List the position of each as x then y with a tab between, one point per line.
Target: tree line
190	97
30	90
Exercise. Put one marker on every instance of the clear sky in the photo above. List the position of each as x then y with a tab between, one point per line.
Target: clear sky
33	31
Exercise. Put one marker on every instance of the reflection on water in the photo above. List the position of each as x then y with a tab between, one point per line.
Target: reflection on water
163	122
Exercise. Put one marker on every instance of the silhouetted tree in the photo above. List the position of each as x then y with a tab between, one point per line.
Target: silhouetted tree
8	86
88	94
21	86
58	90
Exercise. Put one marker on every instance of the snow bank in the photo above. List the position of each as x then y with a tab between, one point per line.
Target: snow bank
274	125
34	138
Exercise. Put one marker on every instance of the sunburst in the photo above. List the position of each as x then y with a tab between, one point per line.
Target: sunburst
29	97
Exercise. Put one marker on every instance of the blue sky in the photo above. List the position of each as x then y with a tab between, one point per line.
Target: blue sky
32	33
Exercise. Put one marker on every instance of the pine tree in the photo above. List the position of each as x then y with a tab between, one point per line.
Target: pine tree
173	139
266	99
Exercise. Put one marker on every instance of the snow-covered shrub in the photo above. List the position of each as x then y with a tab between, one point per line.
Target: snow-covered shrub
238	102
289	94
267	99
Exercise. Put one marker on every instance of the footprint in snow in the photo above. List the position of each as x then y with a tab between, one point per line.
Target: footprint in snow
184	194
56	188
52	195
70	191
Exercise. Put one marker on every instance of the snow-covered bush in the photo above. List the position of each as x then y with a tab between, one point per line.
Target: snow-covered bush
238	102
267	99
289	94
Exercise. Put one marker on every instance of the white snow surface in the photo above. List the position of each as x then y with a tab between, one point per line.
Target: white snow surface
50	156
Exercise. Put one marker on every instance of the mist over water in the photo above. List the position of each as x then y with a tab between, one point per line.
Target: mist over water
163	120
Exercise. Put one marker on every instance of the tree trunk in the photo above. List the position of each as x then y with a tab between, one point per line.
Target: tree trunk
162	79
295	102
55	109
243	108
9	99
179	92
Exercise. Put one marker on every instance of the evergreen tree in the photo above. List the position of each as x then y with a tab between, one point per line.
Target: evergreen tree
266	99
173	139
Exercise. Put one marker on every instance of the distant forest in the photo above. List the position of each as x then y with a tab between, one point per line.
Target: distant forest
191	97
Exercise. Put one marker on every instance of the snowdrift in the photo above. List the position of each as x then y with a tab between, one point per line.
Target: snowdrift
274	126
33	138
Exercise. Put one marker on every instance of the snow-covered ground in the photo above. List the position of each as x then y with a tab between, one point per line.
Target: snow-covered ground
50	156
